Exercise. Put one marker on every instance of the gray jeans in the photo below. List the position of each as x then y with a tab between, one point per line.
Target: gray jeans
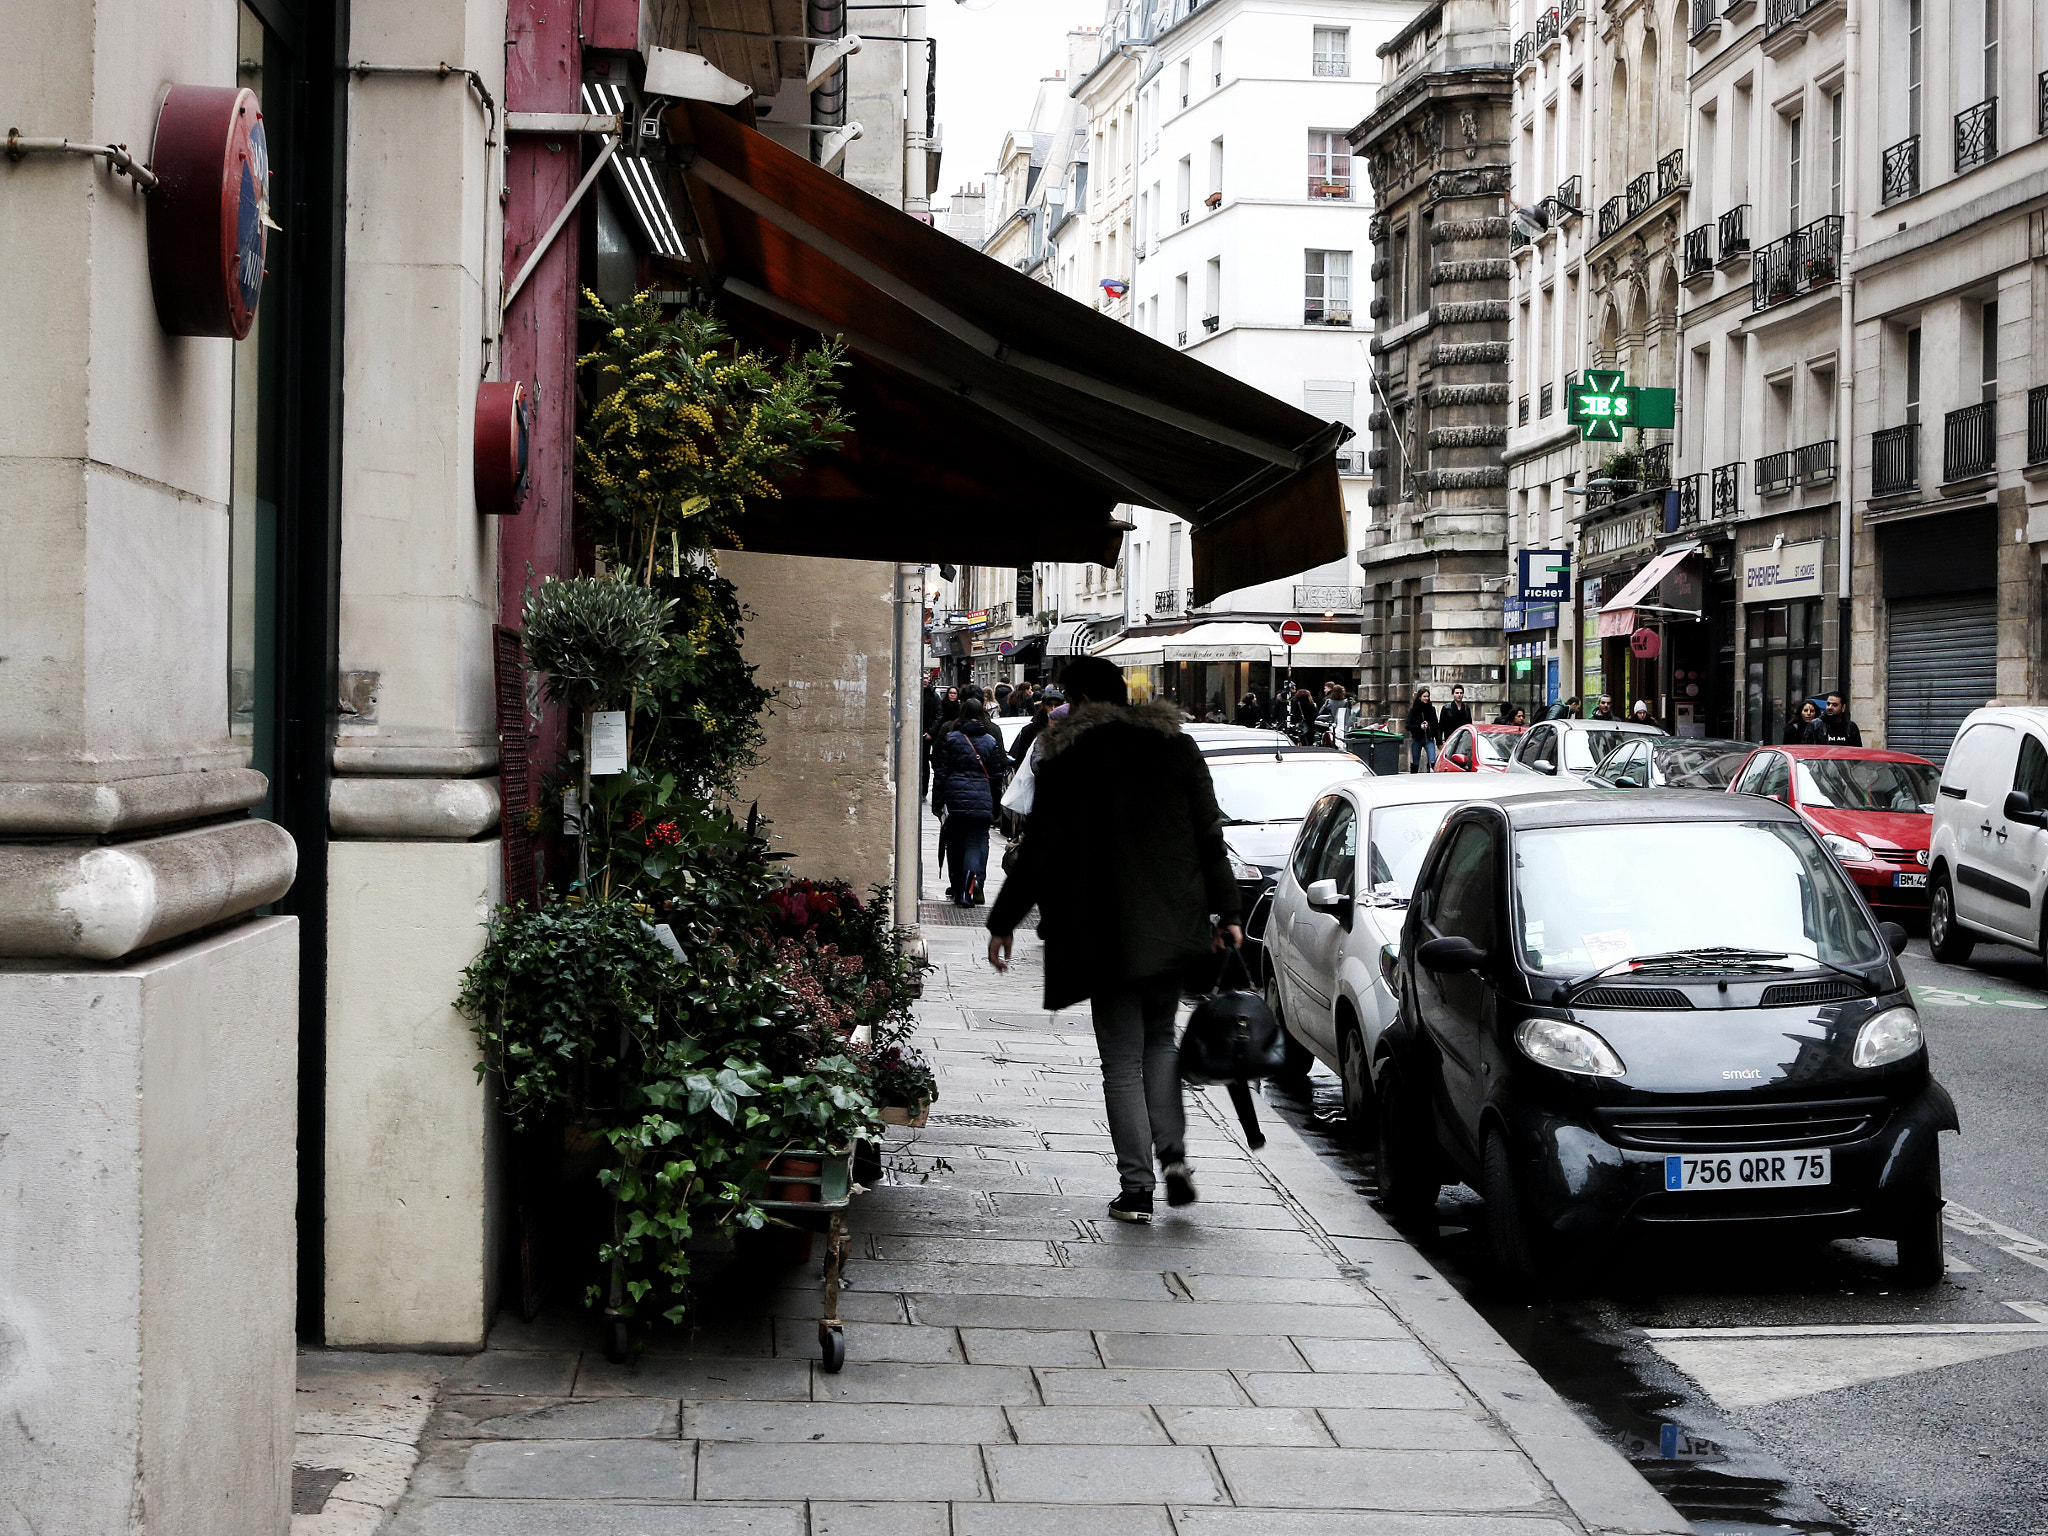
1141	1075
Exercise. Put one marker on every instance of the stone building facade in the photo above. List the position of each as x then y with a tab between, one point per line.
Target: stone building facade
1437	148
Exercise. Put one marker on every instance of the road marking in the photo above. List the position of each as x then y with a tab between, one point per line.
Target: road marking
2038	1311
2028	1250
1850	1330
1956	997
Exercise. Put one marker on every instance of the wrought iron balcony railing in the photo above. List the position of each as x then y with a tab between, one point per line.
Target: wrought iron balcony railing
1525	48
1704	14
1522	412
2042	91
1639	195
1895	460
1656	467
1328	599
1612	216
1976	135
1727	502
1167	603
1671	173
1804	260
1546	399
1571	192
2037	424
1571	10
1548	25
1813	464
1699	249
1711	496
1735	231
1211	322
1780	14
1902	170
1969	441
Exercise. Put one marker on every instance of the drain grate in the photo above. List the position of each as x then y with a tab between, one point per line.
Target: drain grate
979	1122
943	914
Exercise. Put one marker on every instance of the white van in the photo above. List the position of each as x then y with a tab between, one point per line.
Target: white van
1988	861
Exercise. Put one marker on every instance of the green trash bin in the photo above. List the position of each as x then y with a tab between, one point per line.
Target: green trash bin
1380	751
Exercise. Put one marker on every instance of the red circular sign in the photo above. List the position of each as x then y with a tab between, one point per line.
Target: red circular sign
1644	644
504	424
209	214
1290	633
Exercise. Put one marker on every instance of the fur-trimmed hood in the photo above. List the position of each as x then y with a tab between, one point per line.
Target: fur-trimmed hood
1081	719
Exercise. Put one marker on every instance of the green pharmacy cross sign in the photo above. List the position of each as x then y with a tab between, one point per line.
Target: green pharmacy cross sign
1603	403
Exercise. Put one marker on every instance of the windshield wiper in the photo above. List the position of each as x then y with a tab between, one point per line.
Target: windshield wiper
1842	970
1715	960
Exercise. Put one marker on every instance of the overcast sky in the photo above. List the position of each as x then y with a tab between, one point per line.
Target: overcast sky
992	54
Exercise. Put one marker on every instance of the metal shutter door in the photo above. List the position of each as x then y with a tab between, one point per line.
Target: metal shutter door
1941	662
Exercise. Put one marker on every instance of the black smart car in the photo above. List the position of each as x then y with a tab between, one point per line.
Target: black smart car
1661	1008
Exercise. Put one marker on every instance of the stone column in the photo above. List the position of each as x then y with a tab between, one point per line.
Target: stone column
148	1024
413	868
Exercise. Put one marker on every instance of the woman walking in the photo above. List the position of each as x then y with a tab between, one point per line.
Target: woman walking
968	770
1422	732
1123	856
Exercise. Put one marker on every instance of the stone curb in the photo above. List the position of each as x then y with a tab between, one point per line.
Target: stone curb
1595	1481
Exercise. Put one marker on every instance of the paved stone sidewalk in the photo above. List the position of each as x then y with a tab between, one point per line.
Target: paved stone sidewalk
1274	1361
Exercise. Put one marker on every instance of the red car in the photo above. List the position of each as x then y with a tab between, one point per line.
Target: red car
1478	749
1873	809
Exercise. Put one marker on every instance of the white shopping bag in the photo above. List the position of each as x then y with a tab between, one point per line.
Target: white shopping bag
1023	784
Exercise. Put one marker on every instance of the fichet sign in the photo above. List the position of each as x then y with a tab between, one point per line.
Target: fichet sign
1546	576
209	214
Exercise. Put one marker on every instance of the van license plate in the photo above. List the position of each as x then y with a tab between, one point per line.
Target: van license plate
1913	880
1747	1170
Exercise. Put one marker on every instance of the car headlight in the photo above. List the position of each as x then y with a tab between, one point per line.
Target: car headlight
1239	870
1892	1036
1568	1048
1847	848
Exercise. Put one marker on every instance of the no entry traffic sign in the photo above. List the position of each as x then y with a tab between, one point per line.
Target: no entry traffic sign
1290	633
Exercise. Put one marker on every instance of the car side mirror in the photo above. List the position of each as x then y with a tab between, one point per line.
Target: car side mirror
1449	955
1894	936
1324	896
2019	807
1460	760
1542	767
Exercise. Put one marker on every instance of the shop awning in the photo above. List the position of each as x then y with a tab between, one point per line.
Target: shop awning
996	421
1618	613
1070	637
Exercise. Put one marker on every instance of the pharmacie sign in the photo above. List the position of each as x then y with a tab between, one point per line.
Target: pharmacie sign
1780	575
1603	402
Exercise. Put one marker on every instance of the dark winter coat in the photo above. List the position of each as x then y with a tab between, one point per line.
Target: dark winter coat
1422	722
1452	716
1840	731
1123	853
968	770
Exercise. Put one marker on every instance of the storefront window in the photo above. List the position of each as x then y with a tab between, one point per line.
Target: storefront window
1784	665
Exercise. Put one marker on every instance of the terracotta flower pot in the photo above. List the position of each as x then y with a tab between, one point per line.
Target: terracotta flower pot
906	1114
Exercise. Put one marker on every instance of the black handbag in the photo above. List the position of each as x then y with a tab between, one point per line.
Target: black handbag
1232	1036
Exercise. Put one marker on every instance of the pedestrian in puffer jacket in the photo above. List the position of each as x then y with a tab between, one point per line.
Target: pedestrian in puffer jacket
968	772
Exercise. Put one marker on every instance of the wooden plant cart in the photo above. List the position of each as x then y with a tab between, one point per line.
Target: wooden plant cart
834	1184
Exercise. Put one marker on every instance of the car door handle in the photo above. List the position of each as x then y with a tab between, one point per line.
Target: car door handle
1986	828
2001	834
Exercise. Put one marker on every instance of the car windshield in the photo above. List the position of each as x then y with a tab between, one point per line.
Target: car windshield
1400	837
1583	749
1261	789
1858	784
1688	767
1495	746
1588	896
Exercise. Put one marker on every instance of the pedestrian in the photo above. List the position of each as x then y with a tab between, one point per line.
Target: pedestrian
1123	856
1603	709
1002	699
1301	715
1423	731
1333	720
1641	714
1836	726
1021	701
1519	719
1454	714
968	773
1563	709
1805	727
1506	715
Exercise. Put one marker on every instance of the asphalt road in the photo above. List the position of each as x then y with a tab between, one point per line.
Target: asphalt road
1801	1392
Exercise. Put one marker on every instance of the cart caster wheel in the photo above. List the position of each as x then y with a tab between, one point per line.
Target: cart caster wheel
618	1345
832	1345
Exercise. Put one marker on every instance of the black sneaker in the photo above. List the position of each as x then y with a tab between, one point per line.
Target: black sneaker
1180	1184
1132	1205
